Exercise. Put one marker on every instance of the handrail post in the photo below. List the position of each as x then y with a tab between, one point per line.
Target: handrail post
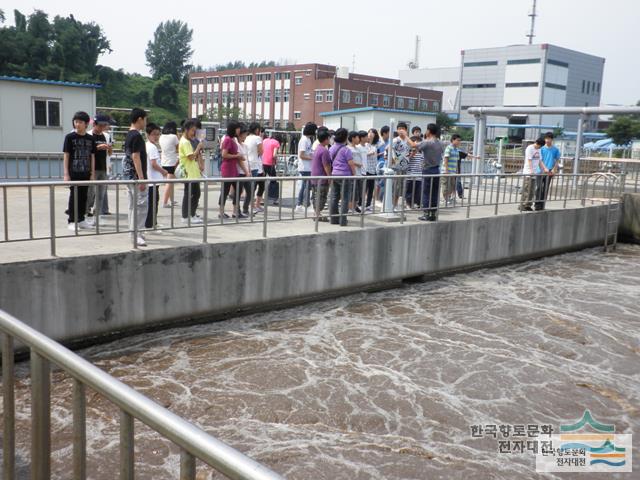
79	431
52	218
187	466
8	405
205	213
126	446
40	417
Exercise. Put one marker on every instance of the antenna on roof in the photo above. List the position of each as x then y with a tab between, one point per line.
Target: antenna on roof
533	16
415	63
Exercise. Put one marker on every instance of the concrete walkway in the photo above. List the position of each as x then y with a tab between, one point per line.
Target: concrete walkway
282	222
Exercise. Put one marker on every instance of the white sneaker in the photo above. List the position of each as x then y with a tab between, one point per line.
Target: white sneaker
140	241
368	209
184	220
72	227
196	220
299	209
83	225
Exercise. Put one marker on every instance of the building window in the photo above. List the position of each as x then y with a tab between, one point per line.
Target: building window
479	85
583	85
287	75
267	96
435	106
558	63
319	96
307	73
481	64
411	104
298	80
248	97
359	98
307	96
526	61
259	96
424	105
399	102
588	88
386	101
287	92
346	96
194	82
598	87
297	115
215	98
46	113
373	100
277	95
240	97
329	96
209	80
278	76
521	84
555	85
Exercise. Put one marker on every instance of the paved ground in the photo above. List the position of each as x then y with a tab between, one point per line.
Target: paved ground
282	222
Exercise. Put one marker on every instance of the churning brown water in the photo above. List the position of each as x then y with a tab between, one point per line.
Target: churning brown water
384	385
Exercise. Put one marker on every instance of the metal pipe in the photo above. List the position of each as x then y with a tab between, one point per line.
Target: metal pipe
576	160
8	406
505	111
205	213
40	416
220	456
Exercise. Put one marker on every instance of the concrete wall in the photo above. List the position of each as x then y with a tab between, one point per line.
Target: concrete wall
79	297
630	218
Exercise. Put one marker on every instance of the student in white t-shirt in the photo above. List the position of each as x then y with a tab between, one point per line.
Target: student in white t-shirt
169	158
305	155
154	172
253	143
531	170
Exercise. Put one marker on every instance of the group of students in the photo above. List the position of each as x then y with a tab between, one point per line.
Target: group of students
425	167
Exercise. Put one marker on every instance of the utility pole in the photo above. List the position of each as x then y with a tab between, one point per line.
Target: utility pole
533	16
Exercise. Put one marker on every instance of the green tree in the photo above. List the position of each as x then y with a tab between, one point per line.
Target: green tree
623	130
2	17
170	50
444	121
164	93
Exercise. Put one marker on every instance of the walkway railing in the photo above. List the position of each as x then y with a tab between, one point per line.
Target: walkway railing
415	194
194	443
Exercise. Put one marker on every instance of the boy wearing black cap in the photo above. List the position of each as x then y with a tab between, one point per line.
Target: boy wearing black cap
96	203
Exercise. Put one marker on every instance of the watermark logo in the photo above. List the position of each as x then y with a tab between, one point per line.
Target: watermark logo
586	446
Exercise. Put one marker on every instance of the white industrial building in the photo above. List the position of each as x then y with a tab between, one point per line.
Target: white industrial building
35	115
518	76
445	80
374	117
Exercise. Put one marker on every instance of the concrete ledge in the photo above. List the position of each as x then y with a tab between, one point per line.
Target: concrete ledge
90	296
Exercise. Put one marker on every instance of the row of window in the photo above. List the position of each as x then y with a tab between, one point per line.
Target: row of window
408	103
589	87
324	96
279	95
525	61
240	78
515	85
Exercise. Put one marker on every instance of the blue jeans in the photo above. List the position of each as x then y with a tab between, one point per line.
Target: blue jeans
304	193
431	190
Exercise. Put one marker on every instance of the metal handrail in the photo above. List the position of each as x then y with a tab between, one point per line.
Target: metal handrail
194	442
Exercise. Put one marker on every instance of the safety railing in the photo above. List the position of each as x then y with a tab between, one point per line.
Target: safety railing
34	210
194	443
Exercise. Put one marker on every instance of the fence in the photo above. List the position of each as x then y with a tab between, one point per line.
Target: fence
33	210
194	443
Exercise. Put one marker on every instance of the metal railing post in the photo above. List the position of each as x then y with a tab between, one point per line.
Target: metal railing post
52	218
205	219
126	446
6	213
40	417
8	406
134	199
497	196
187	466
79	431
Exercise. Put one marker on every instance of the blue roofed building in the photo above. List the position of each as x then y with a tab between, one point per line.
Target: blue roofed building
35	115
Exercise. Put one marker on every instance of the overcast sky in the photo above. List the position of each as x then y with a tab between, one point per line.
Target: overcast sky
379	34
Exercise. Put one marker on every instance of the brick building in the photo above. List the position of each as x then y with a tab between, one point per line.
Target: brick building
295	94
